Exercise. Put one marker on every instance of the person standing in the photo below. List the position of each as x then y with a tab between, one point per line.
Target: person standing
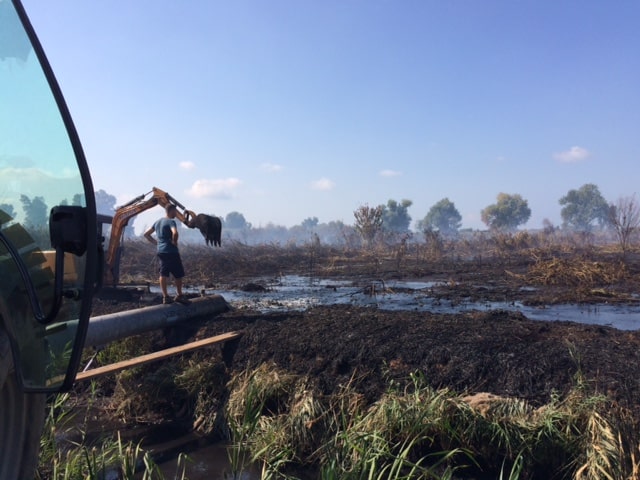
166	231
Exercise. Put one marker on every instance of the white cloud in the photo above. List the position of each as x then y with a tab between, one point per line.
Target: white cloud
271	167
390	173
187	165
323	184
573	155
216	188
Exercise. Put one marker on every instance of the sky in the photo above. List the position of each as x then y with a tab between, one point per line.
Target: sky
284	110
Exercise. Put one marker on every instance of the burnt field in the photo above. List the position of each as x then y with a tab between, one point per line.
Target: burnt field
496	351
553	398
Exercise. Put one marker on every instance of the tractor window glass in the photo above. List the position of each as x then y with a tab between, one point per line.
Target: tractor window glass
38	171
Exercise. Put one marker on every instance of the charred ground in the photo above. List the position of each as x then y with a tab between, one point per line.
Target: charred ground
481	351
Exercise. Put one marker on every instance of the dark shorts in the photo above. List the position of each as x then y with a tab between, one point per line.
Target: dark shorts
170	263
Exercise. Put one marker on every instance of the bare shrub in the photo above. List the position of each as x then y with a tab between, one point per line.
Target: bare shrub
368	222
435	244
625	220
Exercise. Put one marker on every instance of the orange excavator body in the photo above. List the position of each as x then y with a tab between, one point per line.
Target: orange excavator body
122	215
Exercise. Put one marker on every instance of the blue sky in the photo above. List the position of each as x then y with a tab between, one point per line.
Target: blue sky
284	110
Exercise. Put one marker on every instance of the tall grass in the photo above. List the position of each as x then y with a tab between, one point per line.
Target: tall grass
424	433
255	400
66	453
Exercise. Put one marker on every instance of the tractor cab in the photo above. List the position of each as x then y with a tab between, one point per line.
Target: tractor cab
49	246
48	232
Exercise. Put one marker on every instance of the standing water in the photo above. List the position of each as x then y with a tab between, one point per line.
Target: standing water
294	292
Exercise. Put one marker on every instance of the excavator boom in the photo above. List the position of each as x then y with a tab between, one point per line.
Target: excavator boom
210	227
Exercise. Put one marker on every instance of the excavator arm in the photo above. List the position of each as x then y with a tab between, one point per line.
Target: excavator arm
210	227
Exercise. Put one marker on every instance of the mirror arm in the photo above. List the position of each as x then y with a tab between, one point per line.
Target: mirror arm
28	283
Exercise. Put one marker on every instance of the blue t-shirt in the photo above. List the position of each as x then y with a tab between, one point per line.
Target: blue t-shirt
163	231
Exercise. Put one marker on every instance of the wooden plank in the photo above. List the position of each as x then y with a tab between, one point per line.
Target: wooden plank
155	356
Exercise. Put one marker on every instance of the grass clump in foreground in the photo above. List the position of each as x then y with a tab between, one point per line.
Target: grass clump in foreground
66	454
278	422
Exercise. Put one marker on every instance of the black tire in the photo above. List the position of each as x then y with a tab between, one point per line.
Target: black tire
21	420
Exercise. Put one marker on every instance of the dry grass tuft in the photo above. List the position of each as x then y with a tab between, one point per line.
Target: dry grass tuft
422	432
575	272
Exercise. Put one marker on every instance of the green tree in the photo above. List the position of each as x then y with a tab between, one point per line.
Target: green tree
35	211
395	216
368	222
584	207
509	211
237	221
442	217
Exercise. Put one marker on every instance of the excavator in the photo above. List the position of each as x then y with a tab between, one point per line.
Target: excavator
209	226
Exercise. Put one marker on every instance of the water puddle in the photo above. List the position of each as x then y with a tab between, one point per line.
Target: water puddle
166	442
209	462
295	292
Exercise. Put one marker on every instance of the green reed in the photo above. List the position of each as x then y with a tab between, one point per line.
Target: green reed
65	459
419	432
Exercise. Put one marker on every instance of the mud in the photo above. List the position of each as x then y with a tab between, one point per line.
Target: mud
479	350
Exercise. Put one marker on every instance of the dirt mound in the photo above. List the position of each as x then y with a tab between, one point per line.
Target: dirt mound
496	351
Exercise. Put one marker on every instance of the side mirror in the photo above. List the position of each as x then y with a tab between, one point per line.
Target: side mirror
68	229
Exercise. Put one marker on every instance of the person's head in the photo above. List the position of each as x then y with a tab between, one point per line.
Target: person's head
171	210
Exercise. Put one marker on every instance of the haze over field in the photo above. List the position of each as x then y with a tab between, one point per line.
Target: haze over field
286	110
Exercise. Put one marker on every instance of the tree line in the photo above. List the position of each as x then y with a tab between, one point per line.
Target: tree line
583	210
35	210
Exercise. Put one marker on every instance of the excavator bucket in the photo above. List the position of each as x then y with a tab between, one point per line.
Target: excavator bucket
210	227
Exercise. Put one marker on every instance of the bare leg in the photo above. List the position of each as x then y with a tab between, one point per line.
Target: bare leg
163	285
179	285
